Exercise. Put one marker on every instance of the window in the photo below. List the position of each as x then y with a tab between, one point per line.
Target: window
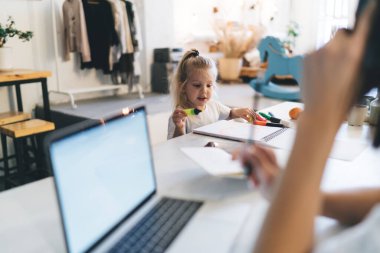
333	15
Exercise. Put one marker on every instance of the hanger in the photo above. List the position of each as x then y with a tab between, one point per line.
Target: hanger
94	1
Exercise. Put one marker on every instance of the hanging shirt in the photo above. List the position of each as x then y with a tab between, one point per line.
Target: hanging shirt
132	24
137	38
213	112
128	32
101	33
75	30
138	35
121	28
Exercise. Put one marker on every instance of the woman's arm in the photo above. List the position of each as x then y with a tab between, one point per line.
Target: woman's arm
350	207
288	226
330	76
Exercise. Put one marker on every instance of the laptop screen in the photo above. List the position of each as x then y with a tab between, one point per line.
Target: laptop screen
102	174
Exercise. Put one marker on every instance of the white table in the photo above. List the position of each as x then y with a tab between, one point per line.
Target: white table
29	219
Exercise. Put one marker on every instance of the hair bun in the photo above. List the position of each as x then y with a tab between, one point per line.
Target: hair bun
195	52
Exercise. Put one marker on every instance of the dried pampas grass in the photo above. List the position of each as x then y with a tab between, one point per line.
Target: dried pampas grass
236	39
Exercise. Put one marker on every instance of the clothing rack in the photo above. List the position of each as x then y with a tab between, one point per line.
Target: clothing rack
71	93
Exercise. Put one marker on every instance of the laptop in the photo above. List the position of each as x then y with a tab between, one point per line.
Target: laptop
107	193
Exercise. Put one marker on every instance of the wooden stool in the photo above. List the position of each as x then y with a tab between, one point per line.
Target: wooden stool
19	132
12	117
9	118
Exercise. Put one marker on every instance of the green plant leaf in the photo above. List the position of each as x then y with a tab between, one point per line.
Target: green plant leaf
8	30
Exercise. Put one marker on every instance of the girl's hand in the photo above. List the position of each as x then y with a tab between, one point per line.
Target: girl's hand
264	167
245	113
179	118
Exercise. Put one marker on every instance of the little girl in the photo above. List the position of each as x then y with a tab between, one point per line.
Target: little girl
193	87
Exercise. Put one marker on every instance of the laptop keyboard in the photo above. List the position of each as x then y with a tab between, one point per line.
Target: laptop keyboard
158	228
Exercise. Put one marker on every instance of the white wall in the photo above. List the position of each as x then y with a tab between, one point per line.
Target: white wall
28	55
158	28
163	24
40	52
193	20
305	13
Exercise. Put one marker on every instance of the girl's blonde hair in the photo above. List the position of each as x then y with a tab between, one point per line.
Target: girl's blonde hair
189	62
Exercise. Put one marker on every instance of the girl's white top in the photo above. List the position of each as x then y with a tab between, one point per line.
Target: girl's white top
214	111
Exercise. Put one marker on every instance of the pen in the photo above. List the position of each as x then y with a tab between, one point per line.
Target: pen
275	120
265	115
270	124
270	118
250	141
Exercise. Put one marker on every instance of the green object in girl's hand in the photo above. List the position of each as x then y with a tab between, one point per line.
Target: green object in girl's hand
192	111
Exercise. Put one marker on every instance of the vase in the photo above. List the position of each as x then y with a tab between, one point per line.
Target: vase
229	68
6	62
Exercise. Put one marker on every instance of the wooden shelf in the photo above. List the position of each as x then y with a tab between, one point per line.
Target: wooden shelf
22	74
251	72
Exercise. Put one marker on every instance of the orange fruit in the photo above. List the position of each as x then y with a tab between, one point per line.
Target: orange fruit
295	112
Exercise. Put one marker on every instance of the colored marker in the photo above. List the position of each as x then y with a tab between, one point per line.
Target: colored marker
258	117
192	111
265	115
270	114
285	123
270	124
275	120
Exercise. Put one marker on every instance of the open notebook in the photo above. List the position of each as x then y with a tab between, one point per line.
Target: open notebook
275	137
237	131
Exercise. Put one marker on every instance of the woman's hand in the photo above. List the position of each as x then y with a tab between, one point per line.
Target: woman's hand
245	113
264	167
179	119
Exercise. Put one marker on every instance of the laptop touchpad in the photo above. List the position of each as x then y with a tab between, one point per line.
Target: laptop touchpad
213	229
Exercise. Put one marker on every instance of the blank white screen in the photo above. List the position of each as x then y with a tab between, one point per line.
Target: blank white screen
102	174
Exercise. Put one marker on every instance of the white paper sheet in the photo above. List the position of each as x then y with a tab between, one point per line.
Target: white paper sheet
347	150
215	161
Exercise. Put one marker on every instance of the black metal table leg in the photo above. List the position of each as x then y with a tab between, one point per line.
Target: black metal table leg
5	160
19	149
19	98
45	97
45	93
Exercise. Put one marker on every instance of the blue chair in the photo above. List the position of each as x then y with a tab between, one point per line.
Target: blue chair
279	64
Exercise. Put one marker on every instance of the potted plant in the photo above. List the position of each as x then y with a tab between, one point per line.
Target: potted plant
293	31
235	39
8	31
